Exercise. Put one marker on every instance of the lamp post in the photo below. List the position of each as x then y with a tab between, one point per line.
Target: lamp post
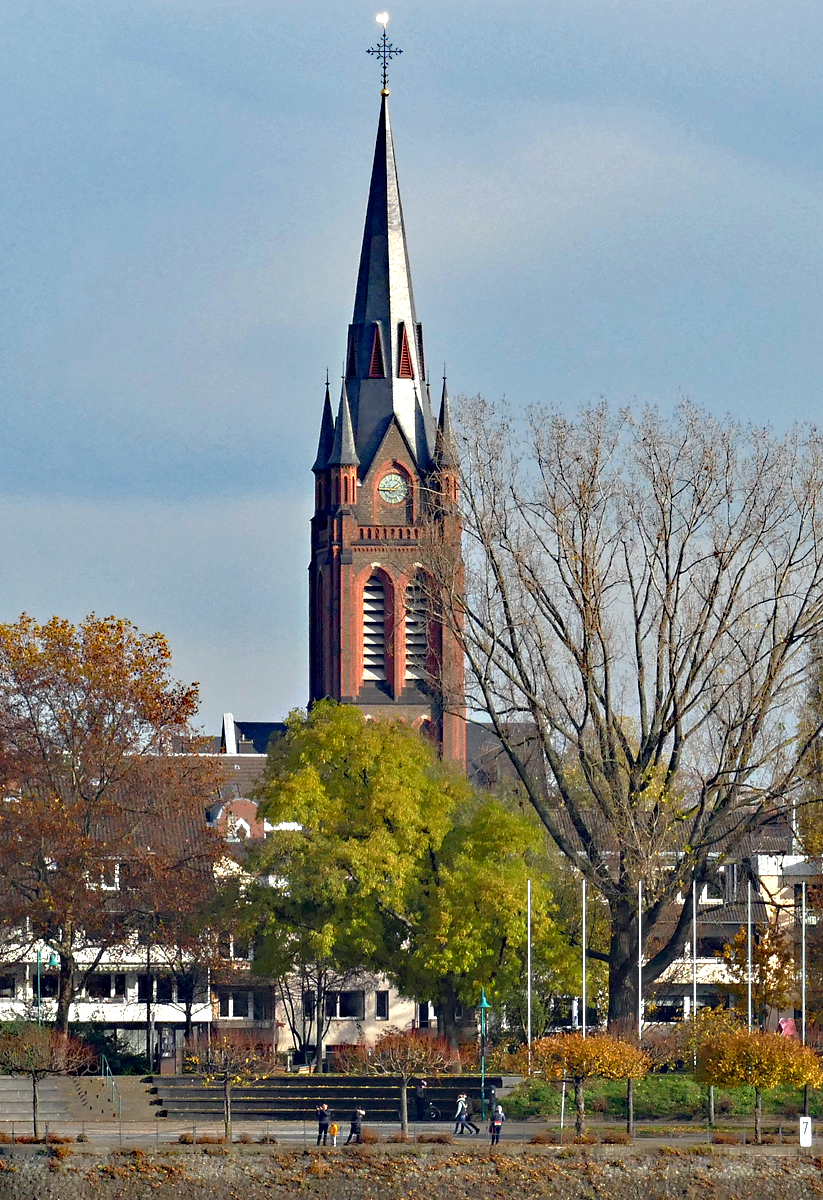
53	961
484	1006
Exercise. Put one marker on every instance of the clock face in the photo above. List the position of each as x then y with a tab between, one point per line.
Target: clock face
393	488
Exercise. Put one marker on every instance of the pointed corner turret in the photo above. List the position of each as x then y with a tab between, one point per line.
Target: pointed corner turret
343	452
326	441
446	455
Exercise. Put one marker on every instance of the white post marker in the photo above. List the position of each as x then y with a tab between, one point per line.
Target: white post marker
806	1132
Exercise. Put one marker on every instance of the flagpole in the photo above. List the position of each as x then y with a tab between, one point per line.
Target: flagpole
749	951
640	959
583	938
529	971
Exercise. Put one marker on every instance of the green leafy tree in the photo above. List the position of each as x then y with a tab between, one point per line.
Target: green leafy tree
391	861
774	978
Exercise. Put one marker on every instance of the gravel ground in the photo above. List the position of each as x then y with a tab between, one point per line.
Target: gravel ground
421	1172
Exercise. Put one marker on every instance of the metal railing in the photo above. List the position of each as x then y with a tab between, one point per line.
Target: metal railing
109	1081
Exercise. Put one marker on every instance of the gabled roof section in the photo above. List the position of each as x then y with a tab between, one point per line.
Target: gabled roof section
326	441
343	453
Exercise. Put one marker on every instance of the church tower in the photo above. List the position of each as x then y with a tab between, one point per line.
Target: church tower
384	471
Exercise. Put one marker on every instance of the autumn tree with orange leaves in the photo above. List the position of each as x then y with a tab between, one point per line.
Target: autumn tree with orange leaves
578	1058
101	825
759	1060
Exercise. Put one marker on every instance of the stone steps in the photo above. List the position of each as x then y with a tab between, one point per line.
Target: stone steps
16	1099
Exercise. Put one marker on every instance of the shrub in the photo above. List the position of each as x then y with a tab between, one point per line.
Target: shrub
439	1139
532	1098
399	1139
586	1139
544	1138
726	1139
369	1137
616	1139
268	1139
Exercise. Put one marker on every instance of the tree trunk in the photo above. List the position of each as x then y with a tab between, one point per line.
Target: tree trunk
711	1105
34	1105
622	1016
630	1107
320	1017
806	1101
404	1106
65	993
579	1103
445	1009
758	1115
227	1110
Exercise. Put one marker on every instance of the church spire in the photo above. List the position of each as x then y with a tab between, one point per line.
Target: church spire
343	452
385	368
326	440
446	454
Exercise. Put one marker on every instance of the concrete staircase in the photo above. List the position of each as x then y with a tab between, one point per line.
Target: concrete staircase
295	1097
15	1101
92	1099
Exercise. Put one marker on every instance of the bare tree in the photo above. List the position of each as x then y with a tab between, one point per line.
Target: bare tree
640	609
403	1055
230	1061
37	1051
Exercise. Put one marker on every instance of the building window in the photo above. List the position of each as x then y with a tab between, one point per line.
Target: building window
417	640
240	950
99	987
6	987
144	989
165	990
374	629
240	1004
225	1004
381	1006
423	1015
308	1006
120	987
350	1005
110	876
48	986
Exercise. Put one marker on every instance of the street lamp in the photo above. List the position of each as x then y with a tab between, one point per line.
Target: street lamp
484	1006
53	962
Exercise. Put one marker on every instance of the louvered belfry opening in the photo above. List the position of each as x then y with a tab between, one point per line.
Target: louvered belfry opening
417	631
377	369
374	629
405	368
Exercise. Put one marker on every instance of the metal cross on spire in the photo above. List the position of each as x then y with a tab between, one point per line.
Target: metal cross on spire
384	50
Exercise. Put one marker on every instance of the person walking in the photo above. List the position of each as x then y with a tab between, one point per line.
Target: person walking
421	1100
323	1122
496	1124
470	1114
461	1116
356	1130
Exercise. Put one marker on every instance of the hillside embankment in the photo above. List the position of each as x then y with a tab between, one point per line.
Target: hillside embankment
422	1173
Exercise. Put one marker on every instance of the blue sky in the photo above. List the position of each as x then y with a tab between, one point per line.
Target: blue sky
617	199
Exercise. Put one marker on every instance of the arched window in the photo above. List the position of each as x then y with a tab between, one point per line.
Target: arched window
374	629
417	631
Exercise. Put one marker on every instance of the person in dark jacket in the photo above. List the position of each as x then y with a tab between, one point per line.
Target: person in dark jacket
356	1130
421	1100
323	1122
496	1124
470	1114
